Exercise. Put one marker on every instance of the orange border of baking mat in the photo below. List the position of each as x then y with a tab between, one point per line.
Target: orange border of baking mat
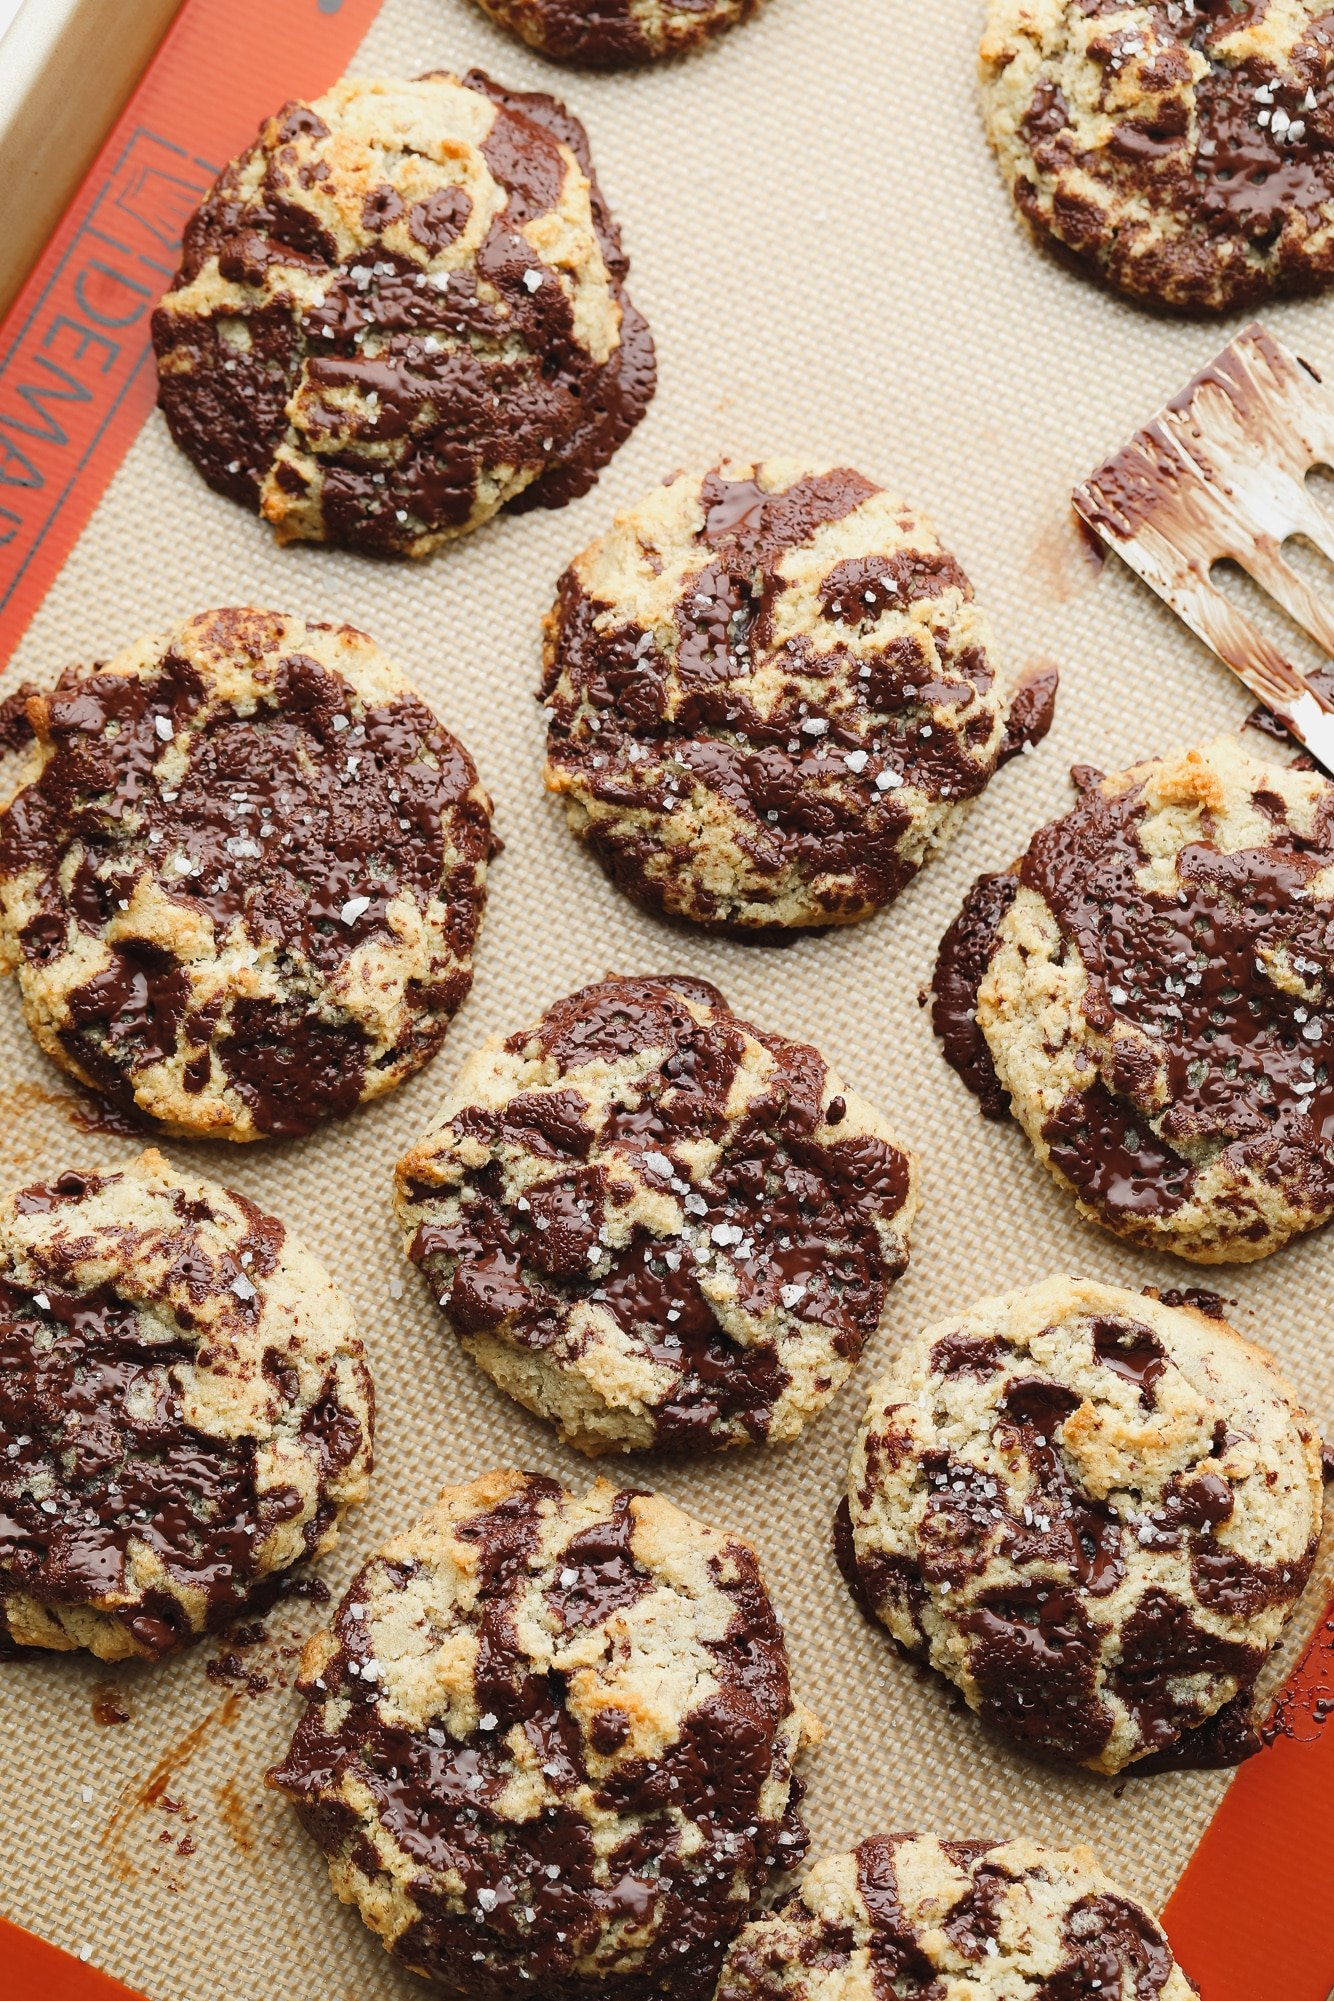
76	384
1252	1918
32	1967
76	375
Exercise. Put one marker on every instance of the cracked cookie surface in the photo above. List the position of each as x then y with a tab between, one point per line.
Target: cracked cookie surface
921	1919
184	1410
1093	1512
401	309
770	696
242	872
655	1224
1149	988
1182	149
549	1743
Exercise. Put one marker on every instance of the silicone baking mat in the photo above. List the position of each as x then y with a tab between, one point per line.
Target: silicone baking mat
831	268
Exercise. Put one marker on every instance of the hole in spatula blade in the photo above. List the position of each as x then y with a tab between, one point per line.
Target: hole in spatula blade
1320	486
1312	565
1292	640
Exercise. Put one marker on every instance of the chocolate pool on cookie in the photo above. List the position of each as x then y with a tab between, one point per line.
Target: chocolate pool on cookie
242	871
1182	149
616	34
1093	1512
184	1410
548	1745
657	1225
1149	988
400	309
919	1919
770	697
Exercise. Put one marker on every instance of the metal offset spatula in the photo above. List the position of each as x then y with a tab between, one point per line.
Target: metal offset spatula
1219	474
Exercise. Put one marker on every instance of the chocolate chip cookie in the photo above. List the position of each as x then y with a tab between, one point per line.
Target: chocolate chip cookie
242	870
1093	1512
1181	149
770	696
616	34
1149	988
548	1745
917	1918
657	1225
184	1410
403	307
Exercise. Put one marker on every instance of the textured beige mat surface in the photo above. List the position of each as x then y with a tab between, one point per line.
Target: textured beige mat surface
831	267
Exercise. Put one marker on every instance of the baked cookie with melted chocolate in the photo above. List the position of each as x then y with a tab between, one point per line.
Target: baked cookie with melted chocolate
1183	150
242	871
1150	987
770	696
184	1411
920	1919
403	307
1093	1512
657	1225
616	34
549	1743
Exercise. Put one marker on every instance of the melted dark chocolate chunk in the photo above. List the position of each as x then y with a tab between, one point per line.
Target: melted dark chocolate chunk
1106	1938
1133	1351
1032	712
536	1897
599	1574
465	387
896	1951
961	965
303	819
620	733
807	1211
16	731
1211	1304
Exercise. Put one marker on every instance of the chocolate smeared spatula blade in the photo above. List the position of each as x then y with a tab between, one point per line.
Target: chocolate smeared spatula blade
1220	474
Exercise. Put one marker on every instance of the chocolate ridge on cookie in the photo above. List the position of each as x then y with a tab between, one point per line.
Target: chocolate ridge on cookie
770	695
616	34
1094	1513
402	308
184	1410
1149	988
242	872
916	1917
548	1744
655	1224
1185	153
